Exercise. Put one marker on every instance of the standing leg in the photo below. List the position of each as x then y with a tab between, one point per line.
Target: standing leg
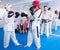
13	37
50	27
29	40
42	29
56	20
53	23
37	39
47	29
6	39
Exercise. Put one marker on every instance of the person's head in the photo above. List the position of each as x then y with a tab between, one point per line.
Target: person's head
36	4
49	8
56	11
45	8
8	7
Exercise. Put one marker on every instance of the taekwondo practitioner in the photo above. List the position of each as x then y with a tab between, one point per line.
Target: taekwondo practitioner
45	21
34	30
56	15
51	20
9	28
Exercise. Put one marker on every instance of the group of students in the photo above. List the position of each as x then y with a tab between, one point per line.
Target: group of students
40	24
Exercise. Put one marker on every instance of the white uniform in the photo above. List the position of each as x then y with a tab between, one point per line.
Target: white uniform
51	18
32	34
9	30
55	21
45	26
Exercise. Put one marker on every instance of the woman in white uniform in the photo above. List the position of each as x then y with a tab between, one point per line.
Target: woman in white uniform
34	31
45	21
56	14
9	28
51	20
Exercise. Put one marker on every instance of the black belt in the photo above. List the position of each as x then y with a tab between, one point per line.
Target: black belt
45	20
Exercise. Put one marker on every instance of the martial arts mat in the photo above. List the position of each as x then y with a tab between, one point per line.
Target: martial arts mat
51	43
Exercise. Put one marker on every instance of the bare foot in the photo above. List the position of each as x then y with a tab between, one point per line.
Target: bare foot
25	46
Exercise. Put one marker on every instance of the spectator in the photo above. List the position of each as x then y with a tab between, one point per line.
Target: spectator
27	24
56	14
21	26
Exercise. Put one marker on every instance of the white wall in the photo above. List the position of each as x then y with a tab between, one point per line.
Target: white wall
20	5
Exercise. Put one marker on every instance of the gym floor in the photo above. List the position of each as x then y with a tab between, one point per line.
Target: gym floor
51	43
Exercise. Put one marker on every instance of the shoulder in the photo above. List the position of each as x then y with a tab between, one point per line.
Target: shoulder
40	10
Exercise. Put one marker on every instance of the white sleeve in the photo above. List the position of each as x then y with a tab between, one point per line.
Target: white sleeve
5	18
51	15
41	16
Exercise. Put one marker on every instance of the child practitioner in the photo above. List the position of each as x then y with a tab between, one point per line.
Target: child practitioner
9	28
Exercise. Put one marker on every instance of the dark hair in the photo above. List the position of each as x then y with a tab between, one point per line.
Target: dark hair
49	8
56	11
45	6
